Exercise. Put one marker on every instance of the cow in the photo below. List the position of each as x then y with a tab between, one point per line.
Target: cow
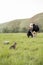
33	29
29	33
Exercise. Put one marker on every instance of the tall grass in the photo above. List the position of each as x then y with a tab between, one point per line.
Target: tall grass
29	51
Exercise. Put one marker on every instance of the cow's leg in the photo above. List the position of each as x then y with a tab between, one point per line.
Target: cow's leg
34	33
31	34
28	34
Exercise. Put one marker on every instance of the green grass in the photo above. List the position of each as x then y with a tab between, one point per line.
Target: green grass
29	51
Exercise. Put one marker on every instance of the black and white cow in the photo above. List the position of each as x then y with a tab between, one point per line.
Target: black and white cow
33	29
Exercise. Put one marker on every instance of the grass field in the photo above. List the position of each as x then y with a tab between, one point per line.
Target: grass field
29	51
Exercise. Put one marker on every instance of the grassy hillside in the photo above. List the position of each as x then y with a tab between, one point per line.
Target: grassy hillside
21	24
29	51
